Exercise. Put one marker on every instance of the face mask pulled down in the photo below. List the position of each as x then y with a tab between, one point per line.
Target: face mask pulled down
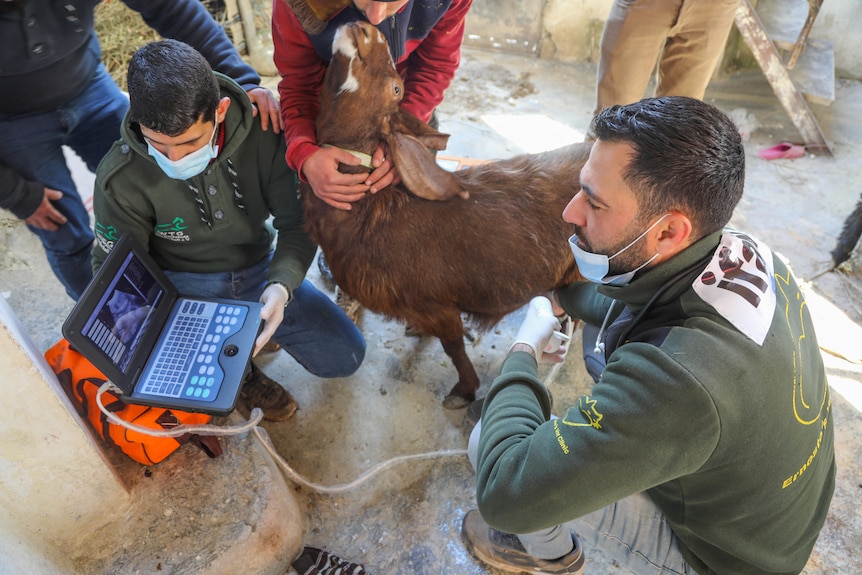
594	267
189	165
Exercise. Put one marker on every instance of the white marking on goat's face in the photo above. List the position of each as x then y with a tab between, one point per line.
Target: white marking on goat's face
362	66
343	43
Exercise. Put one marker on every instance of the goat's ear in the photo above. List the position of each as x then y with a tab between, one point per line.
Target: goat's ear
419	171
403	122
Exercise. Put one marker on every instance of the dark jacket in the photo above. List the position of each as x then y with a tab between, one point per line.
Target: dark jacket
50	49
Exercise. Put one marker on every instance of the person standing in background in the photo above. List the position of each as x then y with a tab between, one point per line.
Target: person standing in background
681	40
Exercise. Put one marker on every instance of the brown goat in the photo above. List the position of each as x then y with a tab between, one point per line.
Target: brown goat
482	241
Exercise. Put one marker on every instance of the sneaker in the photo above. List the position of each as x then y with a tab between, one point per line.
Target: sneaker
505	552
314	561
258	390
325	272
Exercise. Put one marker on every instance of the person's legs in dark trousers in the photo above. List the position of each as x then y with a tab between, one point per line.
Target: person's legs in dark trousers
32	146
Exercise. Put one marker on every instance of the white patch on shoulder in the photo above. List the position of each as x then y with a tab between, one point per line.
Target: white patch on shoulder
739	284
343	44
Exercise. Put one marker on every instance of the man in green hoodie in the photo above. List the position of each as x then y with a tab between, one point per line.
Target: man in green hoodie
706	444
195	179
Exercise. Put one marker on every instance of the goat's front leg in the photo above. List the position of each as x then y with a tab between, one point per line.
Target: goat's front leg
464	391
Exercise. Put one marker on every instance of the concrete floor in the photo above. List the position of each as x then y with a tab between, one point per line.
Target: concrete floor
407	519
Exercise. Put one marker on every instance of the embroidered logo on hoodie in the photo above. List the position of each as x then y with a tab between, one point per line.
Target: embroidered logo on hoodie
174	231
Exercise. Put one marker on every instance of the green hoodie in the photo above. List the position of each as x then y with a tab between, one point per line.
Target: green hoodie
133	195
732	439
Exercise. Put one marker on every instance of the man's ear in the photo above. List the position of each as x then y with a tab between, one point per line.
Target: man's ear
672	235
221	109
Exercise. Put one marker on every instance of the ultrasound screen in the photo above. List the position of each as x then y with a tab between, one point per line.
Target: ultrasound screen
119	321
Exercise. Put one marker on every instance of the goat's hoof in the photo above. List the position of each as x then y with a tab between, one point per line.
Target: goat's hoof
454	401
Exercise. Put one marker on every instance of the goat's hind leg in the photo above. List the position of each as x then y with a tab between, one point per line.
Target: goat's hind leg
464	392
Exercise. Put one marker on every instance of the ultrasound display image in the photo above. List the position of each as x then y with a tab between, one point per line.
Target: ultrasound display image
119	321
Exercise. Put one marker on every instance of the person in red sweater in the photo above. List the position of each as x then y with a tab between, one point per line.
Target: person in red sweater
425	42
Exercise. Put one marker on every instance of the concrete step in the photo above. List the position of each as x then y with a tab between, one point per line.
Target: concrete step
783	20
814	73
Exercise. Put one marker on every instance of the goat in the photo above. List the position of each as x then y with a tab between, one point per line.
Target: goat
482	241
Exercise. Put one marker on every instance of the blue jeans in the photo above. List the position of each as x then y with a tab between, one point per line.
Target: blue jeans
633	531
315	331
32	146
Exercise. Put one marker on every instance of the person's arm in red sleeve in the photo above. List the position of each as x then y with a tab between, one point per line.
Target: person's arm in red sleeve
302	71
431	65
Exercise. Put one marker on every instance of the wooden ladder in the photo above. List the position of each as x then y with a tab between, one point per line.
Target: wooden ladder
801	70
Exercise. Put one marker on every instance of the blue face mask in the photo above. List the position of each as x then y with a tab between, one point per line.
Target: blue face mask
594	267
188	166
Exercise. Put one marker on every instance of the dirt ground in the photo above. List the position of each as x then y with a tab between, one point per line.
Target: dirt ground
406	520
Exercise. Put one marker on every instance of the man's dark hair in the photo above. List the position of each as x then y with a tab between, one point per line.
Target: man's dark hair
688	156
171	86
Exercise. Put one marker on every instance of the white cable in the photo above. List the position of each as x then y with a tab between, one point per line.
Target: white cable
203	429
365	476
263	437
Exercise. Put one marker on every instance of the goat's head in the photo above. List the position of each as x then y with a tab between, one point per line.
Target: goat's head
360	107
362	87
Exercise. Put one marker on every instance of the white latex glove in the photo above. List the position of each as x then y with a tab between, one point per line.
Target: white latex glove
541	331
274	298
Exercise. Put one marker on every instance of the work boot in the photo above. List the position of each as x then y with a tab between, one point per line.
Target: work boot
270	347
348	305
258	390
505	552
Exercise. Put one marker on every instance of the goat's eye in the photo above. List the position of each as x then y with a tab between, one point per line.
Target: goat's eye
396	90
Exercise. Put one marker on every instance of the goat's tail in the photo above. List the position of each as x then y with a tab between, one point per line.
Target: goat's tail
849	237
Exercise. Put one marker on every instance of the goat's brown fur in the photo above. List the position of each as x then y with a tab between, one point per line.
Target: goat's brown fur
423	261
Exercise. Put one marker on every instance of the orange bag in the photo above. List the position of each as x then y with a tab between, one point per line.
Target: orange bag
81	381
